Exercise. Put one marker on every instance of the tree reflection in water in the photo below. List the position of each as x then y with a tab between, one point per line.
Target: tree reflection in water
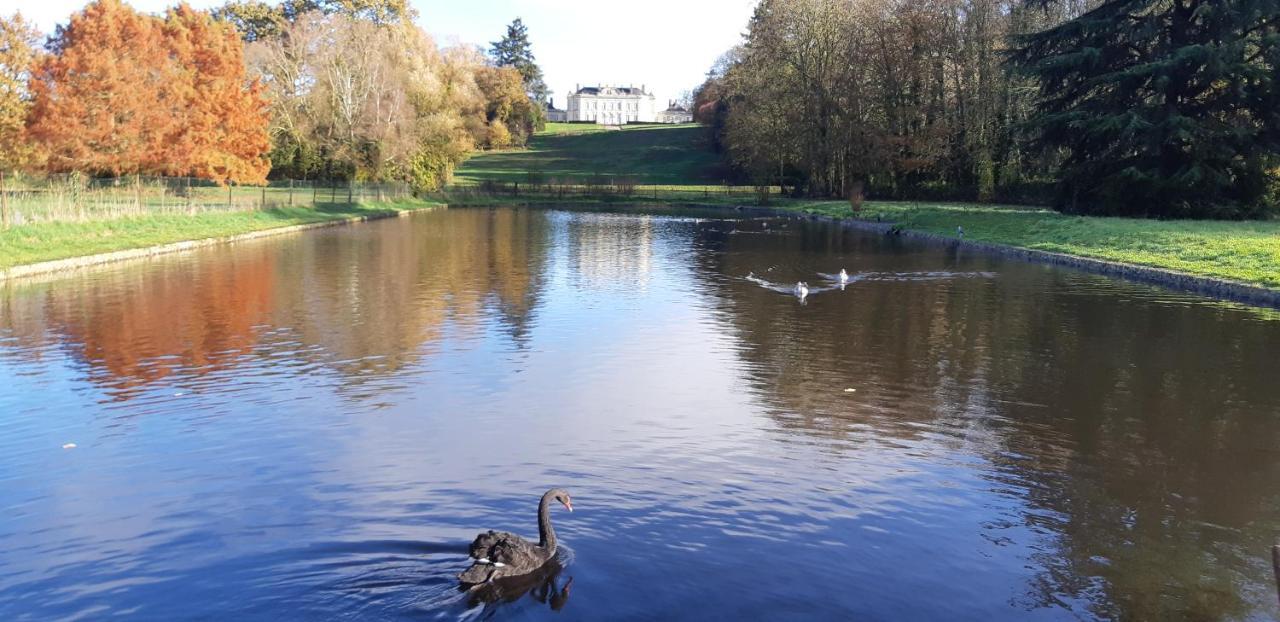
1140	436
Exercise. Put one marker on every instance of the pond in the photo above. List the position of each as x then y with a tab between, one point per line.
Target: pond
316	426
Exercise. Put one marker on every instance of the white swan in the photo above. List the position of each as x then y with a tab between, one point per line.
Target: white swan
844	277
802	289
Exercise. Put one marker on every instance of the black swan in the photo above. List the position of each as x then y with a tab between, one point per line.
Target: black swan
499	554
541	585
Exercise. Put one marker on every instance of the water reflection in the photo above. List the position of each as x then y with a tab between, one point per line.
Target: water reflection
1141	437
543	586
1010	440
364	304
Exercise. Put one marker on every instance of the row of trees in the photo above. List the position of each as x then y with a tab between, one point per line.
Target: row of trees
1146	107
359	91
119	92
347	89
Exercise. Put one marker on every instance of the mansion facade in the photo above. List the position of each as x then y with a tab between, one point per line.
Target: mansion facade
614	105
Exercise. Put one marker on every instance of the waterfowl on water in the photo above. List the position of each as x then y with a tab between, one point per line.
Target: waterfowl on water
499	554
802	289
844	277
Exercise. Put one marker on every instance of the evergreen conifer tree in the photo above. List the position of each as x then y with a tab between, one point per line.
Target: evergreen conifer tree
515	51
1167	108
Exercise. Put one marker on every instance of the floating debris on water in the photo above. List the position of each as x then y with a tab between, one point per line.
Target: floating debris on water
850	390
69	446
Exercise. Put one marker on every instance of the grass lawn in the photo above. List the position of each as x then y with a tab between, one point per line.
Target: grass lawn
38	242
648	154
558	129
1248	252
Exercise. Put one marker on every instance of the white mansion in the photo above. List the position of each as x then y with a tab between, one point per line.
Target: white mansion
615	105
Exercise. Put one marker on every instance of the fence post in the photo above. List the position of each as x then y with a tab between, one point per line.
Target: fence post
290	193
4	202
264	196
314	189
230	205
350	185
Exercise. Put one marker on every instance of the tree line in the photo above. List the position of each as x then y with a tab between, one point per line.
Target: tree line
1165	108
310	89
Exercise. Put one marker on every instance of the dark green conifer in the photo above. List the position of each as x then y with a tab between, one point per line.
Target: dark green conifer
1166	108
514	50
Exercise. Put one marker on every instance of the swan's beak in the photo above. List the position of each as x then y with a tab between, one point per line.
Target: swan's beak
568	505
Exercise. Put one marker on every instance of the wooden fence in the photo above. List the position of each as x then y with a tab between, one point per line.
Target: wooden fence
76	198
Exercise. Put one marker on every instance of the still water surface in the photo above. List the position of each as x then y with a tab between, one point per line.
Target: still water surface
314	427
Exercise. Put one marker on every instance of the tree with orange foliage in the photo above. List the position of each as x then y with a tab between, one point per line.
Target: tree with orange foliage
97	96
127	93
224	130
18	52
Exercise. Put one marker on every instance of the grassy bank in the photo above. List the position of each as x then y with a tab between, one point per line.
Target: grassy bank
33	243
647	154
1247	252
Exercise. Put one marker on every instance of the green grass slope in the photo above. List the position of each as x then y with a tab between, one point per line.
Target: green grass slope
648	154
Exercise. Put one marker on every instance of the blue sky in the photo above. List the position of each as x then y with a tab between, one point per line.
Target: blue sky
667	45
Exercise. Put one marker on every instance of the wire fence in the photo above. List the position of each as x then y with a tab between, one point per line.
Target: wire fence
77	198
612	188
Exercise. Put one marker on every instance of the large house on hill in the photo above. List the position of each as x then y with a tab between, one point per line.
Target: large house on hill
614	105
611	105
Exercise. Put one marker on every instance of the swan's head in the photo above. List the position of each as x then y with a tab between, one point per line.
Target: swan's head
561	495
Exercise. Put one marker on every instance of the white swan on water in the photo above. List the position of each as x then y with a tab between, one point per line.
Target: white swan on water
844	277
802	289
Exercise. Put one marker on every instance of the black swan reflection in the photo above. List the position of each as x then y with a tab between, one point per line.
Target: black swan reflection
500	555
540	584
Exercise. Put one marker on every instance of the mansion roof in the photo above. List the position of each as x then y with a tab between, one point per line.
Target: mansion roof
616	91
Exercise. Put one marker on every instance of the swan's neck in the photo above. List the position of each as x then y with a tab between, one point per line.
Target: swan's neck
546	534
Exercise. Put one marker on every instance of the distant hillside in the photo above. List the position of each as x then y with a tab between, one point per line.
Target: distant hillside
650	154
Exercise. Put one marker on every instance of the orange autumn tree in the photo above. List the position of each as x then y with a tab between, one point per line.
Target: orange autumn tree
224	133
125	93
19	49
97	96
